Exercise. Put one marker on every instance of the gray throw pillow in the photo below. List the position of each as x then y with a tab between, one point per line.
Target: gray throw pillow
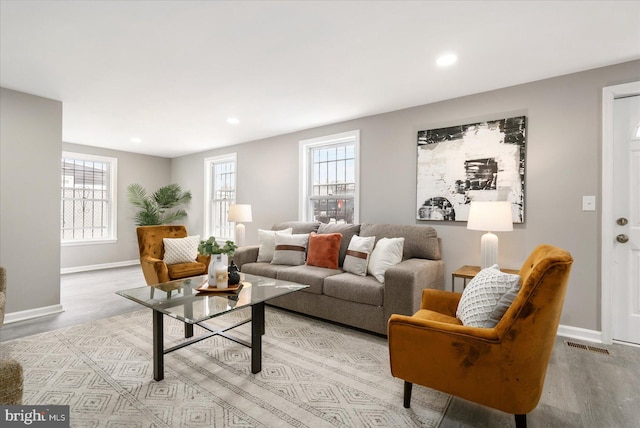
347	231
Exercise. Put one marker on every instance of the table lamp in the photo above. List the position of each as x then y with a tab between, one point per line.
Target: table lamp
240	213
490	216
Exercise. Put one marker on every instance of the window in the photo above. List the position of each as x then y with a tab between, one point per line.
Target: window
220	188
88	191
329	176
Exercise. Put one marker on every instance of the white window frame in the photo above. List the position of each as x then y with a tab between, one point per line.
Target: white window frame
112	223
208	189
305	181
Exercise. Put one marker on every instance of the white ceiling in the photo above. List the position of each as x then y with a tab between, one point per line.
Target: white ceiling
172	72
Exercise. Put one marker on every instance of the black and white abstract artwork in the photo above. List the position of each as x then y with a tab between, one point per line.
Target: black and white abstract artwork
476	162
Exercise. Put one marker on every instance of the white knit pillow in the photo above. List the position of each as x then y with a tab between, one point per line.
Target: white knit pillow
180	250
487	297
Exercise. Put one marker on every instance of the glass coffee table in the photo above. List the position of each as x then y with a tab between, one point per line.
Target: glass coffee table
181	300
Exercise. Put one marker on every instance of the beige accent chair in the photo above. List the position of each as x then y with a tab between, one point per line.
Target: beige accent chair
11	381
155	270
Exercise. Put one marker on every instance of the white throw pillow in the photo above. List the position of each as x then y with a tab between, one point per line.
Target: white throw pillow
387	253
358	253
267	241
180	250
487	297
290	249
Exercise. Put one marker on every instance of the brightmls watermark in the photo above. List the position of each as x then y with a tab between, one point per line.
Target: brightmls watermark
35	416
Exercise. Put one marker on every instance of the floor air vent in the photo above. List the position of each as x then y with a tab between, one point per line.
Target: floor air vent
588	348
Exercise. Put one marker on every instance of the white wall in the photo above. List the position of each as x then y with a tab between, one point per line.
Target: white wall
151	172
30	148
563	164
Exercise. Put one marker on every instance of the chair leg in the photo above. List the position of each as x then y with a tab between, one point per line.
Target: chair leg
521	421
407	394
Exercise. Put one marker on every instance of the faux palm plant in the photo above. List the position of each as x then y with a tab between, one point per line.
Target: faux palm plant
161	207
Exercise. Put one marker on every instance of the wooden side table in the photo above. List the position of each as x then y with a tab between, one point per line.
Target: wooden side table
467	272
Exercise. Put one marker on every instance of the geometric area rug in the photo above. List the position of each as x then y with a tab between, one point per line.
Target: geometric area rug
314	374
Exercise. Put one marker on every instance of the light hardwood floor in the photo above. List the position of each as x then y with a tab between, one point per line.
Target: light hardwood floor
583	388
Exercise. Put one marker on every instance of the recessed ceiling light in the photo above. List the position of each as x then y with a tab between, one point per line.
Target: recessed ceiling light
446	59
136	140
233	121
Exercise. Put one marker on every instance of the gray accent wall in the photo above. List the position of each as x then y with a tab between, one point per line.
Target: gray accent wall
563	163
151	172
30	146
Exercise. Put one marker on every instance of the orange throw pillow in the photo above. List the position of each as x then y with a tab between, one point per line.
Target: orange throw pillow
324	250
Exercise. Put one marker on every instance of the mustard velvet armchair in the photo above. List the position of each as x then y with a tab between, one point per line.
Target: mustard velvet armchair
11	373
151	248
501	367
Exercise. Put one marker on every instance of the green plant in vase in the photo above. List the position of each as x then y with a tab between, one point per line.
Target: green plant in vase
218	266
211	247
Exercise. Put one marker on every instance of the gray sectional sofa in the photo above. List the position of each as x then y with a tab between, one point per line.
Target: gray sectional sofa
358	301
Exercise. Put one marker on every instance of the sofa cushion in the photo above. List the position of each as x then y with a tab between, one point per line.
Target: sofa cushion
180	250
312	276
290	249
185	270
487	297
267	243
420	241
354	288
298	226
263	269
347	231
358	253
324	250
386	253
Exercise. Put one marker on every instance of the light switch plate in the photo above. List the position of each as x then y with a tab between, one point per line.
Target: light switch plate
588	203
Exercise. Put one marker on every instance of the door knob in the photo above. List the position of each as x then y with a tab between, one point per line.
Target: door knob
622	221
622	238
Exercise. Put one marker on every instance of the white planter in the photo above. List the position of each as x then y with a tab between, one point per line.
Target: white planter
218	271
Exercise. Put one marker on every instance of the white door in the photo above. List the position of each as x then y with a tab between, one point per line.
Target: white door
626	218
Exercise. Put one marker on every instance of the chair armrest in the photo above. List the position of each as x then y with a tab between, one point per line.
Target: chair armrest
204	259
245	254
155	270
427	326
404	282
11	373
444	302
444	356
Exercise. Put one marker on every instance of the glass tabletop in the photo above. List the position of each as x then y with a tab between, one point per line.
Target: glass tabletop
181	300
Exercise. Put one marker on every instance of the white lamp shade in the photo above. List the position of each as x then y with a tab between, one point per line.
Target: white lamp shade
240	213
494	216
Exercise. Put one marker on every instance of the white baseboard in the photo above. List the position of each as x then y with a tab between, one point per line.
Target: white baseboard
32	313
563	330
88	268
580	333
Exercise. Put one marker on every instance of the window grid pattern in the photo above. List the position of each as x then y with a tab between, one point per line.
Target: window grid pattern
85	208
333	182
223	195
